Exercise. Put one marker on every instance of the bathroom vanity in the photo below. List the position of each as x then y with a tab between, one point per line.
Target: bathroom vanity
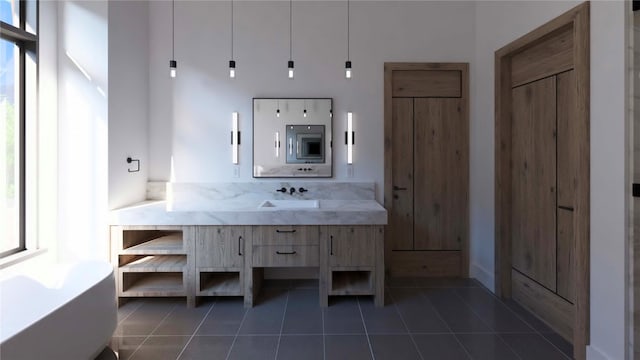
218	239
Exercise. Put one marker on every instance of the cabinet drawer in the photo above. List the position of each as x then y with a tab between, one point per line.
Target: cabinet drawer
285	255
286	235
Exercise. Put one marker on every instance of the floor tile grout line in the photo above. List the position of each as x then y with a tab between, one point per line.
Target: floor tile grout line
131	313
284	315
366	332
521	318
233	343
196	330
395	305
154	329
531	326
484	322
447	325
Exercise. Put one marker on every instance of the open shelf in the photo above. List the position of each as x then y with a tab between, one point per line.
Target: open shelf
351	282
152	284
165	245
157	263
220	283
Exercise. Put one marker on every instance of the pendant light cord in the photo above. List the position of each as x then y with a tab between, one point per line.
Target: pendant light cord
348	29
173	29
290	30
231	29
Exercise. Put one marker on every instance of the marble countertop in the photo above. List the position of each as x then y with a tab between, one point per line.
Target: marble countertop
329	212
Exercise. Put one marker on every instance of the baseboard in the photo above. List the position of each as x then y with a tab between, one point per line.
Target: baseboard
485	277
595	354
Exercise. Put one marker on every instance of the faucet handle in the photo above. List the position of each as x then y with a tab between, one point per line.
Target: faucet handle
302	190
292	190
282	190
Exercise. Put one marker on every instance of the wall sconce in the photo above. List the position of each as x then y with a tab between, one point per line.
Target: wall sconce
349	138
235	137
277	143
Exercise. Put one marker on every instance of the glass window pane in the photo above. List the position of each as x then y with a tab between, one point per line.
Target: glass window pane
10	12
9	147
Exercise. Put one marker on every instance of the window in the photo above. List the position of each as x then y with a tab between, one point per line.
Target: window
18	44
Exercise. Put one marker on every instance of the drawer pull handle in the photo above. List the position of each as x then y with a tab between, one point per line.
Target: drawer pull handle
239	246
285	252
285	231
331	245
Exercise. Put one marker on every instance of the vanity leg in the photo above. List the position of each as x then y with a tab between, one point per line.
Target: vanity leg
379	270
191	301
323	272
253	283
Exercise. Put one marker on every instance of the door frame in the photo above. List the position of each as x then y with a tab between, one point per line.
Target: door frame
578	19
389	68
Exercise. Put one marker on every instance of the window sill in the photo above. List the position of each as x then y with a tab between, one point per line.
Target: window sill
20	257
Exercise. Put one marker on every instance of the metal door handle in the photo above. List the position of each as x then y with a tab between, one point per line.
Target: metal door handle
239	247
397	188
285	231
285	252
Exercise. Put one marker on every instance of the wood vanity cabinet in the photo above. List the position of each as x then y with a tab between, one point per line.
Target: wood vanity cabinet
354	257
228	260
219	260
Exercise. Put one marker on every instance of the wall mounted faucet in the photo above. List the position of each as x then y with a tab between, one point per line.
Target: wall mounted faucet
282	190
302	190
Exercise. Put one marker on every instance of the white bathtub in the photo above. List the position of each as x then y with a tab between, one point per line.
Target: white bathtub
65	312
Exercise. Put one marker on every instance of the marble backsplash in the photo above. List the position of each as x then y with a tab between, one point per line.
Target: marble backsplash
202	196
156	190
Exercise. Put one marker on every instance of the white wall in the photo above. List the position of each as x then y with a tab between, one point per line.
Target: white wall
498	23
128	100
82	129
190	117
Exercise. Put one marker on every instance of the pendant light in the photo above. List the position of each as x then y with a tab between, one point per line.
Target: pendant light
290	62
232	62
347	64
173	64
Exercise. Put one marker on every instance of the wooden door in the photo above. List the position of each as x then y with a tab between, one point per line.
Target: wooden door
568	155
542	174
427	169
401	218
533	181
441	173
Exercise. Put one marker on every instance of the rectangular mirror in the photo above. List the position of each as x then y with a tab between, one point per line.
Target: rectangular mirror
292	137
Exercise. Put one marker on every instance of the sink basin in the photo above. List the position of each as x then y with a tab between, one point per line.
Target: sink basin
289	204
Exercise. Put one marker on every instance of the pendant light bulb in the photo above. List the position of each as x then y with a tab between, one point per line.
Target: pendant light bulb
347	70
304	113
173	65
290	65
278	113
232	69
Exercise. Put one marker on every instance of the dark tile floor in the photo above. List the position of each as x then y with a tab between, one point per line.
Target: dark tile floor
423	319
